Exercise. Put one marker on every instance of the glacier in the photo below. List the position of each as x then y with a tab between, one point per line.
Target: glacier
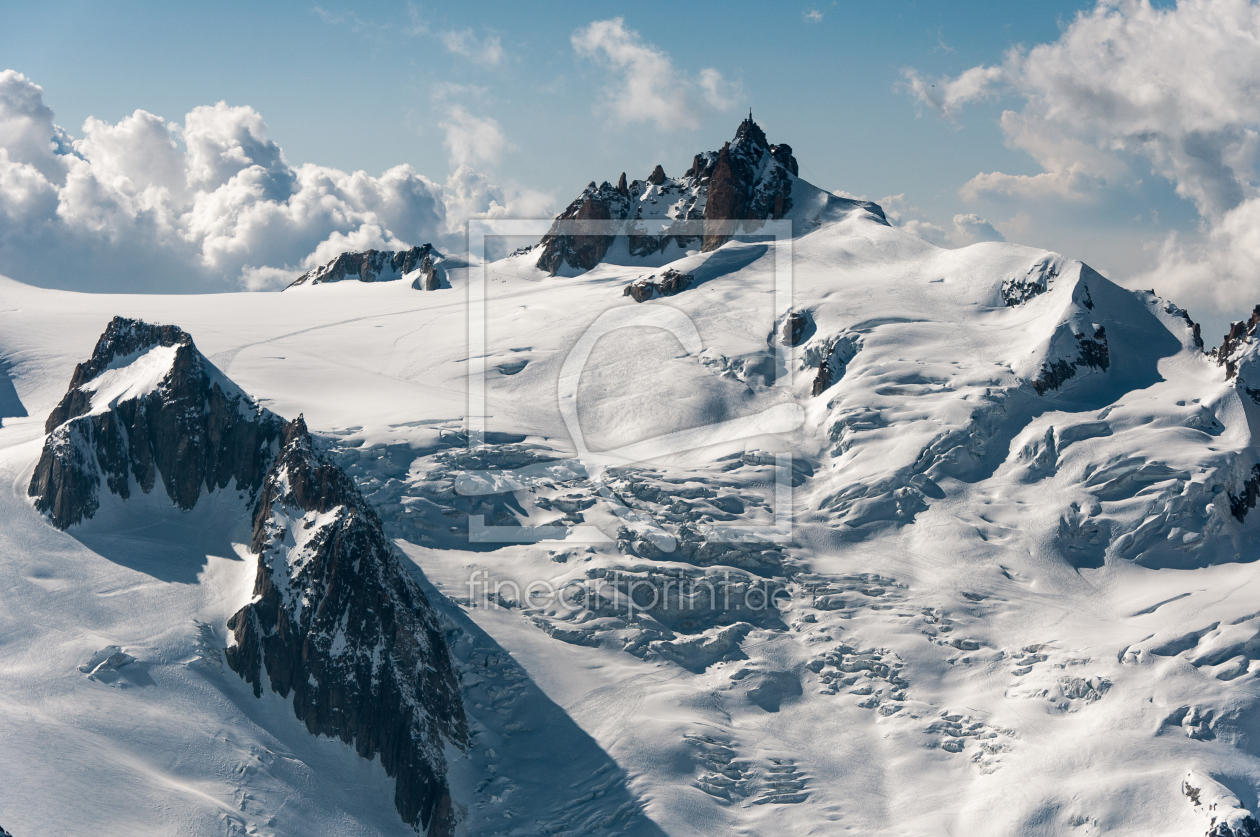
995	576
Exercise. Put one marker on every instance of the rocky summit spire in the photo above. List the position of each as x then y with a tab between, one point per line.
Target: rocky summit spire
751	131
743	184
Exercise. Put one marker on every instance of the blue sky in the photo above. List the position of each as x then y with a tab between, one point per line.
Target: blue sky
379	84
353	87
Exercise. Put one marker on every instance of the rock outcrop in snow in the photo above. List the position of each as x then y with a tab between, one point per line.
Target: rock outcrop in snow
339	623
419	264
1078	343
1239	346
669	283
735	189
1225	814
148	407
335	619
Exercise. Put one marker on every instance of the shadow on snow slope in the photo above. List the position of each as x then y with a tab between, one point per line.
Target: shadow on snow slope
149	534
531	769
10	404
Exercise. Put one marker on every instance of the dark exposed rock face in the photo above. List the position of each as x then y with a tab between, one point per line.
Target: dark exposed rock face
1245	500
597	203
1016	290
823	380
794	328
669	283
748	181
428	279
369	266
1239	353
1241	334
1248	827
1094	353
337	622
335	619
835	358
192	429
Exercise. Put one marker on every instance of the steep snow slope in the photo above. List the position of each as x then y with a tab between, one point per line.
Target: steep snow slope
1017	597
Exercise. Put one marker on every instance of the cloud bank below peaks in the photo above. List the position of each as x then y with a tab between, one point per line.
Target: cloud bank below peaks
212	204
1129	88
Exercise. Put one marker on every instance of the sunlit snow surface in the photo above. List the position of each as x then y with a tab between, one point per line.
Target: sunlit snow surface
986	633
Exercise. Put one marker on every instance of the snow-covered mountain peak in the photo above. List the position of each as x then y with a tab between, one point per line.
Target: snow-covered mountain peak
148	407
336	620
736	188
418	264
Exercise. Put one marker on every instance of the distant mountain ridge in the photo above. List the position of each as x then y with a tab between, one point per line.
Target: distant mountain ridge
745	183
416	263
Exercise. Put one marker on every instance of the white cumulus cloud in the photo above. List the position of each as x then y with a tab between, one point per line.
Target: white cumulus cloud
946	96
648	87
471	139
488	50
967	229
971	228
1127	88
212	203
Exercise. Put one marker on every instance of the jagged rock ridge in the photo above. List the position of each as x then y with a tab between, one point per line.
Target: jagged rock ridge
147	406
335	619
1234	347
737	188
419	263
